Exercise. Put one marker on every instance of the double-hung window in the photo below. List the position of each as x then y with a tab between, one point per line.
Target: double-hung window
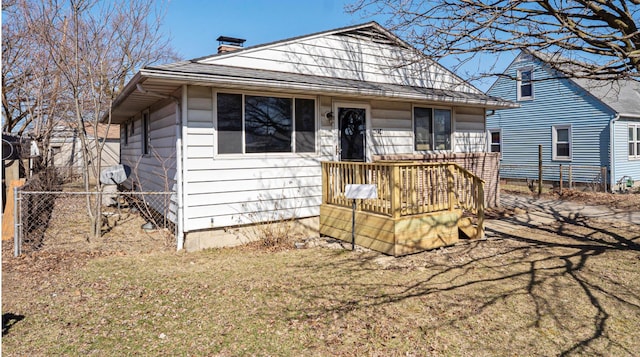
525	84
495	140
262	124
634	141
561	138
431	129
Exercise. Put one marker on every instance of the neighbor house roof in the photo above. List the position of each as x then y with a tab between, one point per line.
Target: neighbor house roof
622	96
153	82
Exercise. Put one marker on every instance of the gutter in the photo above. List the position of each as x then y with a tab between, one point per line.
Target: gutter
612	176
179	163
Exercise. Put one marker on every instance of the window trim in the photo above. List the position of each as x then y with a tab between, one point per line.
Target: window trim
293	97
490	140
635	141
519	84
554	142
451	128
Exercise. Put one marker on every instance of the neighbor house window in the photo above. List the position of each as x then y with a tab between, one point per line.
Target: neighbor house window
561	137
634	141
262	124
431	129
145	133
525	84
495	140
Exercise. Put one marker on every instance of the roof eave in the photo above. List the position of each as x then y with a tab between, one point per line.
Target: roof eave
244	83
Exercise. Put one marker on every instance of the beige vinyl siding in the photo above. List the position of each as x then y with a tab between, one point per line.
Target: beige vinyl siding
227	190
156	171
391	128
346	57
470	133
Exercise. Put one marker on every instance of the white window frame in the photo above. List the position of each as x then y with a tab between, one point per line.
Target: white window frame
519	84
634	140
490	140
293	97
554	142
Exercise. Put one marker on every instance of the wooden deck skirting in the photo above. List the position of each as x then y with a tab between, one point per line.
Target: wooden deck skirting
418	204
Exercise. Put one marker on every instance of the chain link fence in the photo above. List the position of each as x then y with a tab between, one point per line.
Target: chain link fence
593	178
129	221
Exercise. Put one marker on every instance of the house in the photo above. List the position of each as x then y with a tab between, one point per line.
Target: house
580	123
240	135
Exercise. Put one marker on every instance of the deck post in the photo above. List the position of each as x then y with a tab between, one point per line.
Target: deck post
395	191
450	188
480	200
325	183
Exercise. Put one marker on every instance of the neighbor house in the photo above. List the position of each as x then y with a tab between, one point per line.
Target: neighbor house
66	152
240	135
580	123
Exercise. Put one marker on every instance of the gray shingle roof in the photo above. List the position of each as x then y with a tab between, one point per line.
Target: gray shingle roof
623	96
220	74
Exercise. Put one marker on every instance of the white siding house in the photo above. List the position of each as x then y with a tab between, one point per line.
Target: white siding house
240	135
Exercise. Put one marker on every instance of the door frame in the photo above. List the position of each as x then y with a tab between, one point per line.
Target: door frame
367	132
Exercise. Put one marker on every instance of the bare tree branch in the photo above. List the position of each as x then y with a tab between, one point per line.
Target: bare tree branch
590	39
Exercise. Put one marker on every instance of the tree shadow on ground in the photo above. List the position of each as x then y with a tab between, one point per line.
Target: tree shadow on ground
560	270
9	320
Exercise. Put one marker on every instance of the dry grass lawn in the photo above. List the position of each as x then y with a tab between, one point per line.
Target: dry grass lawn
565	289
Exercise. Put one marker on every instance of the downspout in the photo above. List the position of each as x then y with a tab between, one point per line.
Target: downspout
179	164
612	176
179	168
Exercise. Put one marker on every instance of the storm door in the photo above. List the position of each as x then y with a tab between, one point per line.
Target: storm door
352	124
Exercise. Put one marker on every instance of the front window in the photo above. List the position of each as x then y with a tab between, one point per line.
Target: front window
495	140
261	124
634	141
525	84
561	142
431	129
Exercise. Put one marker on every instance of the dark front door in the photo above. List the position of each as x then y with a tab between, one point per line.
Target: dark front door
352	133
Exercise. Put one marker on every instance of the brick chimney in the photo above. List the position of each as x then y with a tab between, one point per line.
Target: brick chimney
229	44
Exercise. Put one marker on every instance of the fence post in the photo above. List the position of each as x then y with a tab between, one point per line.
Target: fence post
560	178
539	170
570	177
604	178
17	222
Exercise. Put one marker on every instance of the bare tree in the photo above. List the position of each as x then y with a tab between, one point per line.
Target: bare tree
590	39
93	47
32	97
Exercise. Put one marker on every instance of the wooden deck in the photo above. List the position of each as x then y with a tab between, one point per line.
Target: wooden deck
419	206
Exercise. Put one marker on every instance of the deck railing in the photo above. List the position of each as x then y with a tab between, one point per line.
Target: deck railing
405	188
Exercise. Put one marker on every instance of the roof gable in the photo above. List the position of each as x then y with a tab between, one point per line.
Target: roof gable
622	96
364	52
